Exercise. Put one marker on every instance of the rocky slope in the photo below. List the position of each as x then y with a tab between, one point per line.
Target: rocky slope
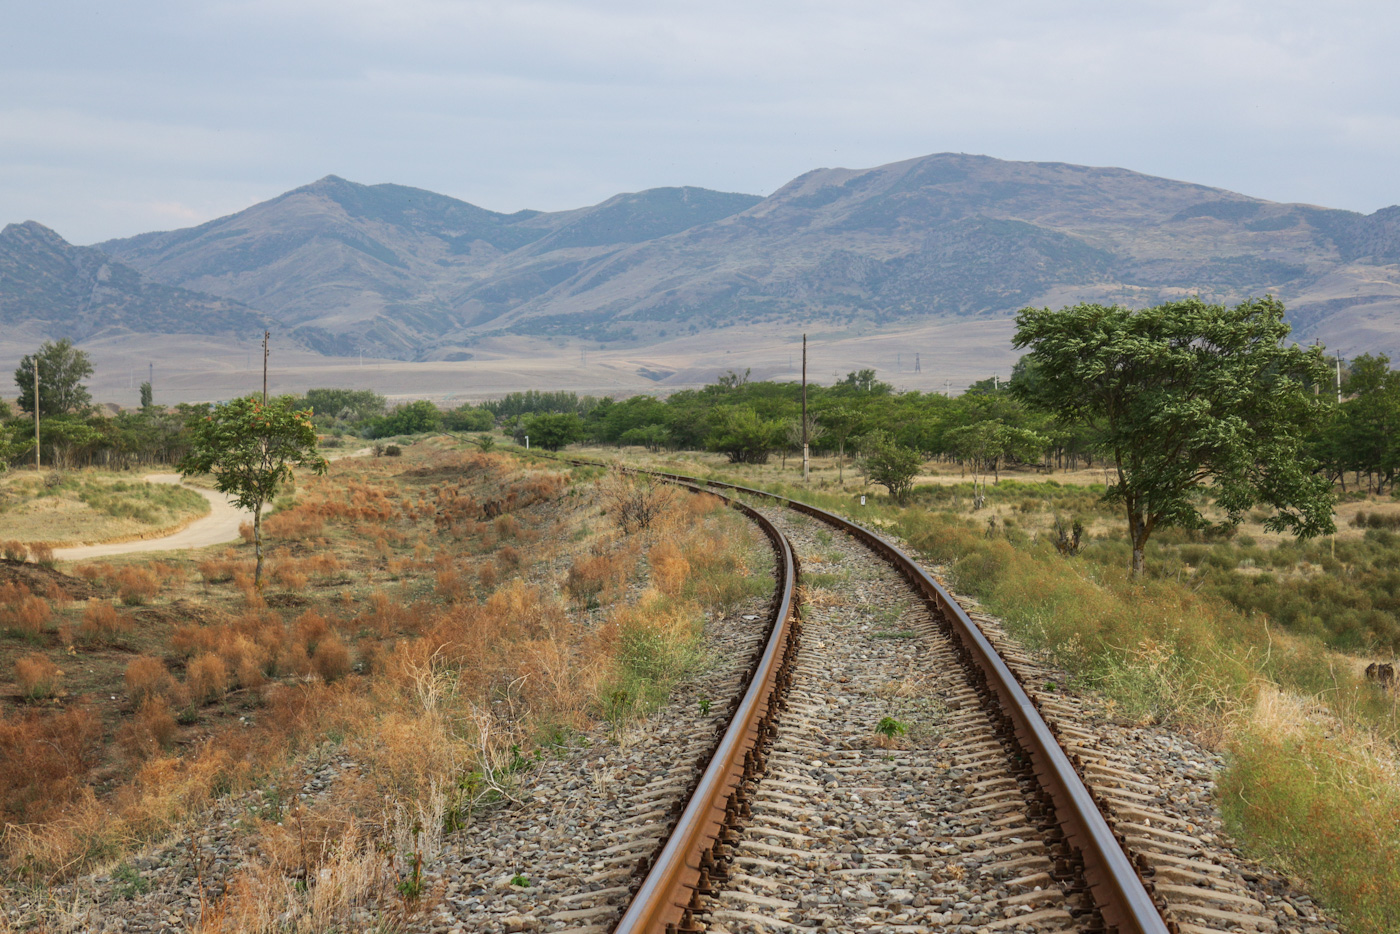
400	272
51	286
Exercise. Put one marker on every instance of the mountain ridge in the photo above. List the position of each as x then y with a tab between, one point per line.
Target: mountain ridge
406	273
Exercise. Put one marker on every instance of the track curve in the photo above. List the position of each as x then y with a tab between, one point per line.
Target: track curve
1122	900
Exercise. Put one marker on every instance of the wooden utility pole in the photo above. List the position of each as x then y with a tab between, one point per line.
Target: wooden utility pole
35	358
266	335
804	408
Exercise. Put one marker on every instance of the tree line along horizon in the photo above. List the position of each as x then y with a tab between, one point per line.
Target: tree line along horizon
1172	399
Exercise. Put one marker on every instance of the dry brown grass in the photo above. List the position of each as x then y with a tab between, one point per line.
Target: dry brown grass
21	611
102	622
37	677
441	685
150	731
136	585
147	677
207	678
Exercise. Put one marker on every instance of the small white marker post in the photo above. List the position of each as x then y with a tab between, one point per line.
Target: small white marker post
862	499
527	442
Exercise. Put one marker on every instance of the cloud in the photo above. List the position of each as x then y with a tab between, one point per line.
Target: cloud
558	103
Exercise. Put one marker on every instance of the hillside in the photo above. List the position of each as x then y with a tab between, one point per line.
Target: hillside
51	287
383	268
408	274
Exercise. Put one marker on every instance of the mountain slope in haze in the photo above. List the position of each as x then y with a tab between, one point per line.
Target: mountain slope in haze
956	235
79	292
407	273
381	267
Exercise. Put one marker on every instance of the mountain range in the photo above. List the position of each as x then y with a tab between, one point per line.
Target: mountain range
398	272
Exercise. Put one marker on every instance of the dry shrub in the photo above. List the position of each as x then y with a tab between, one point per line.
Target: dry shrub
451	586
192	639
15	551
486	577
669	567
384	615
136	586
332	659
245	658
56	594
42	553
522	611
597	576
508	558
294	659
245	531
216	570
102	622
294	525
147	677
23	612
323	565
88	572
310	627
38	677
43	760
151	730
288	574
207	678
506	526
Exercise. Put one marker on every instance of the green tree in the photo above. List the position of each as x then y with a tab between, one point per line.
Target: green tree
250	449
652	437
552	431
347	407
890	464
1191	398
409	419
147	396
740	434
62	369
1368	426
985	446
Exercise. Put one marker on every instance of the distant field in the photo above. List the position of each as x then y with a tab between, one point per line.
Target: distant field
84	506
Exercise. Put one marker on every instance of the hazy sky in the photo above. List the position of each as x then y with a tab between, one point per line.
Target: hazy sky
119	118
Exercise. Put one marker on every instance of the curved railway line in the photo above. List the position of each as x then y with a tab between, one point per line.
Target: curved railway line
797	822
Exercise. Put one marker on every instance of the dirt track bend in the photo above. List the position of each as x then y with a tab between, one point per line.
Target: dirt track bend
220	525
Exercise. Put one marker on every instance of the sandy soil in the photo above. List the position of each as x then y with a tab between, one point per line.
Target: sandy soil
220	525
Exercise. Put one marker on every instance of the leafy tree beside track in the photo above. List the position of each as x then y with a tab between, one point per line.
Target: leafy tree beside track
1189	398
250	449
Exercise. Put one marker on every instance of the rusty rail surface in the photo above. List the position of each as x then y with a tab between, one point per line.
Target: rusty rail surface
1118	892
681	870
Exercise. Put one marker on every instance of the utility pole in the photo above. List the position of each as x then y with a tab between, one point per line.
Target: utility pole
151	370
917	368
266	335
1339	379
36	411
804	410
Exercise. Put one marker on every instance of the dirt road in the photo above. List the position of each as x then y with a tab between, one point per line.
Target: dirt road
220	525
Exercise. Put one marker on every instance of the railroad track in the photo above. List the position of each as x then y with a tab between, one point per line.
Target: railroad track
1014	820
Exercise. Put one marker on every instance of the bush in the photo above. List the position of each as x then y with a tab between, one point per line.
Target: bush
42	553
207	678
332	659
15	551
101	622
150	730
22	611
37	676
147	677
136	586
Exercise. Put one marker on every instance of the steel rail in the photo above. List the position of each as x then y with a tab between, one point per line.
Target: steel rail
667	897
1119	893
